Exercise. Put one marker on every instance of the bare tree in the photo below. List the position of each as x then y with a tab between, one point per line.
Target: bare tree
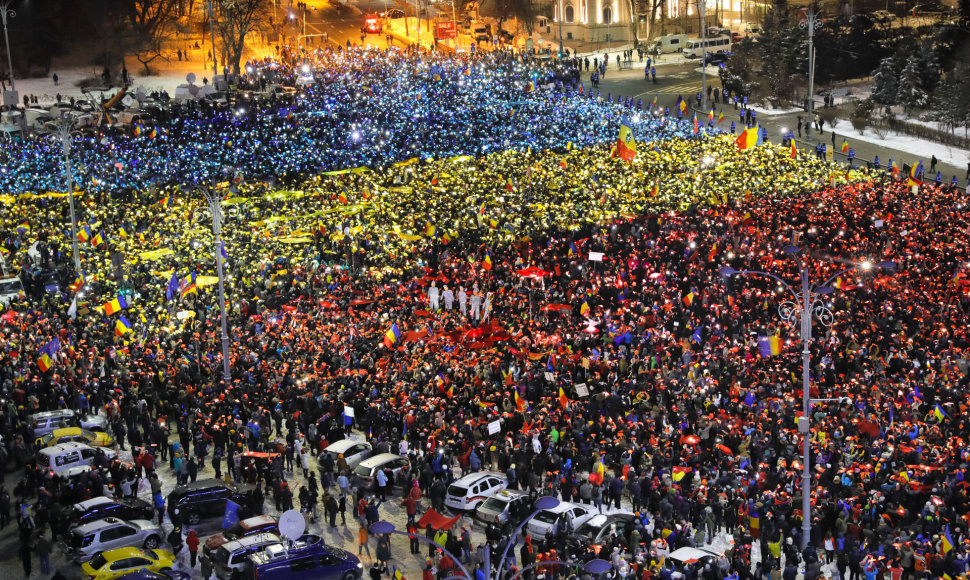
148	24
239	18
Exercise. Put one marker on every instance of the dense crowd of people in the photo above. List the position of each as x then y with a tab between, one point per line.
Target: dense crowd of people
437	296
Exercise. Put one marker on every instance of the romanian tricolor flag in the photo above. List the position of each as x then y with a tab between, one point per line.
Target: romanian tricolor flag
720	117
98	239
710	116
747	139
487	262
947	543
794	149
116	305
626	146
769	346
845	146
84	234
584	308
509	186
429	229
79	282
122	326
913	172
342	197
123	232
682	105
138	130
154	133
397	574
45	360
392	336
655	190
697	128
563	399
689	299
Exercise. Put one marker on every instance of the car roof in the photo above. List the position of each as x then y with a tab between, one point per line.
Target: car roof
564	506
46	414
64	431
64	447
509	494
257	521
343	445
379	459
119	553
472	478
97	525
263	538
201	484
93	502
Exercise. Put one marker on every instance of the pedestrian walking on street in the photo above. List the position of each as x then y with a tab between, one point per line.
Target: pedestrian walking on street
25	559
192	541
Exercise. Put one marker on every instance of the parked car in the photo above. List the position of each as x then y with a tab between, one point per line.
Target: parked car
77	435
393	14
600	527
85	541
47	421
233	556
390	463
121	561
63	456
307	559
471	490
149	575
242	529
883	16
353	451
926	10
190	503
506	505
128	508
717	58
555	517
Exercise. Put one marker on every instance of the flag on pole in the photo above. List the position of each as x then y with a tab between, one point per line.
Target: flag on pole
122	326
939	413
231	517
913	172
563	399
626	145
72	310
947	540
845	146
679	472
794	149
747	139
769	346
487	262
392	336
187	286
84	234
116	305
173	287
519	401
46	359
584	308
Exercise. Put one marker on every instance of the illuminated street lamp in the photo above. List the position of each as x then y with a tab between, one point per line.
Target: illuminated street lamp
804	307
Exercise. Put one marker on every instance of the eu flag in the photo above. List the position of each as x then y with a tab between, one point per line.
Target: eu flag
232	515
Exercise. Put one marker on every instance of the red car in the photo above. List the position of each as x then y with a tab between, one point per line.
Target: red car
372	24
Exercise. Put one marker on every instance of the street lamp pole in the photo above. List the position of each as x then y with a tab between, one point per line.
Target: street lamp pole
5	11
561	15
64	126
214	199
212	37
701	5
803	306
812	22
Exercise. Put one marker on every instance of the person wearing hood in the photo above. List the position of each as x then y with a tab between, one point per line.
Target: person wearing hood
192	541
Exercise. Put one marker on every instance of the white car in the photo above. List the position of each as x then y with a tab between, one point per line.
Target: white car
353	451
59	458
551	519
474	488
83	542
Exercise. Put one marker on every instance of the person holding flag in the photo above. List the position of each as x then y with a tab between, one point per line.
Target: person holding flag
626	145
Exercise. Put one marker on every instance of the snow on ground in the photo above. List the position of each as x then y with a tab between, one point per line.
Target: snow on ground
918	148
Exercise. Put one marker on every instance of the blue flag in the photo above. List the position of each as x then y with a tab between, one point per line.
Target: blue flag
232	514
173	288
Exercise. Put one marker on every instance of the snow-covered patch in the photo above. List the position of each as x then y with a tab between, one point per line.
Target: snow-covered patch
918	148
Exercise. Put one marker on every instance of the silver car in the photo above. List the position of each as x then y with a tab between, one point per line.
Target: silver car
83	542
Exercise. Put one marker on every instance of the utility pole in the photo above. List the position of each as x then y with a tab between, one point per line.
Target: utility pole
214	199
64	126
701	5
212	36
5	12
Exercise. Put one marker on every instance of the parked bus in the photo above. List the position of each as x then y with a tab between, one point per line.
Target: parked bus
695	47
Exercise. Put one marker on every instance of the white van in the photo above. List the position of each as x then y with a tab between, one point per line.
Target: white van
232	556
506	505
474	488
668	44
695	48
59	458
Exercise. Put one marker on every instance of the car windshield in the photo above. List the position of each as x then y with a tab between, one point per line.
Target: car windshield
10	286
98	561
591	527
493	504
